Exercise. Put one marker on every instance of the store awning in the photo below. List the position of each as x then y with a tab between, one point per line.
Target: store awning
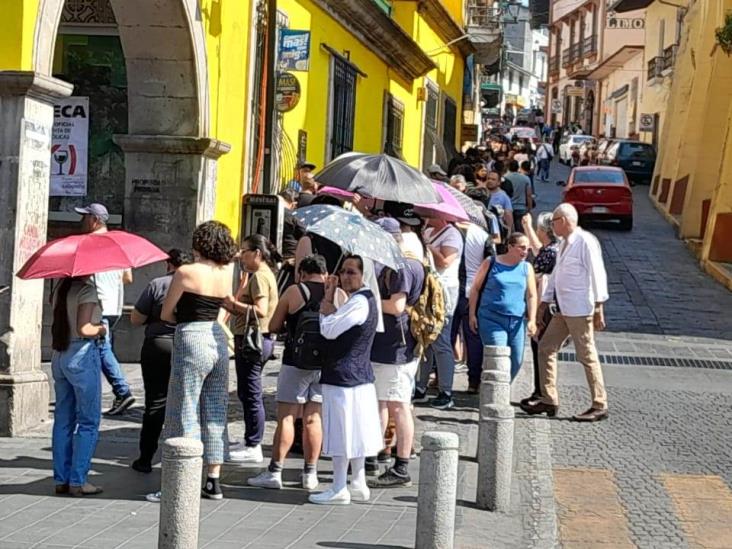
614	62
622	6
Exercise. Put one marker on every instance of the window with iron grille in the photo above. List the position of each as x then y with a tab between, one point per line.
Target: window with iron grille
394	126
431	120
343	112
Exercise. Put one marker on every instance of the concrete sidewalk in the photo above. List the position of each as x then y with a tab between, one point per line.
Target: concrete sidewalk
31	517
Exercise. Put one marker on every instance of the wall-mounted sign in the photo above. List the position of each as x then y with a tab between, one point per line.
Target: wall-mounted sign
556	106
574	91
302	145
294	50
625	23
70	146
287	92
469	133
647	123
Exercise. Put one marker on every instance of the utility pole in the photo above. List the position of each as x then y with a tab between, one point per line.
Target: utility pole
268	186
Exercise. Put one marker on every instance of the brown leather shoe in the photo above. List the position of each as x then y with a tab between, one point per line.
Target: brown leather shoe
540	408
593	414
61	489
86	490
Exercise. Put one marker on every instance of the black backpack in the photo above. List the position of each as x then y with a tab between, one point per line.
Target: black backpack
308	345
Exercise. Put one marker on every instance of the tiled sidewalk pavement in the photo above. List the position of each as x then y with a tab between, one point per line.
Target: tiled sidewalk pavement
249	517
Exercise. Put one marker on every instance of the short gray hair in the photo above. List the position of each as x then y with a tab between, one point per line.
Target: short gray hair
458	177
544	222
567	210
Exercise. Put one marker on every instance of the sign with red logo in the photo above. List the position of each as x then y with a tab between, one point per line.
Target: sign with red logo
70	147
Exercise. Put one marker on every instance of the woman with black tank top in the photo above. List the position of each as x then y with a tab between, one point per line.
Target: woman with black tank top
351	428
298	385
200	372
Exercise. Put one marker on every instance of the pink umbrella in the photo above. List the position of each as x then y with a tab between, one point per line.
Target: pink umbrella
87	254
449	209
336	192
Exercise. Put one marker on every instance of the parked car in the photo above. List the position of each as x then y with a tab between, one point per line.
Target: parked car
638	159
600	193
523	132
569	141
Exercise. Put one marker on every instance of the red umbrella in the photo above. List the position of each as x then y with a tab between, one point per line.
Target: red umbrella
87	254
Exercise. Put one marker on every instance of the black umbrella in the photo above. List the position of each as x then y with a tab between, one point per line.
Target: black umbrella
378	176
471	208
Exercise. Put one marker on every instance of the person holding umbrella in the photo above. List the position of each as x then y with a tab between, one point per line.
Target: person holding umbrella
77	334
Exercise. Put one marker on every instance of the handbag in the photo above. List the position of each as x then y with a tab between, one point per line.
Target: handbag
251	345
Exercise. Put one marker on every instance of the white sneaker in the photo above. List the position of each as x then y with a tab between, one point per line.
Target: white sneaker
310	481
360	494
153	497
329	497
250	454
267	479
236	446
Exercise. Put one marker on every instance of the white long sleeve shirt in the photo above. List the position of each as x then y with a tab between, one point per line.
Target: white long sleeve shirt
579	278
353	312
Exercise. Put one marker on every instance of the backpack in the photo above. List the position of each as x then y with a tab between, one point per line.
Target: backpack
308	344
427	315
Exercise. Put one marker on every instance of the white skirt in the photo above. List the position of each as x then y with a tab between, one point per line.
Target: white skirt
351	424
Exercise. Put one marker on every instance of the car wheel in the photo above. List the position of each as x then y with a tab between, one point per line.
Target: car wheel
626	223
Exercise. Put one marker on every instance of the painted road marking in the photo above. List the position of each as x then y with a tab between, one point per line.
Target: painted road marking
590	513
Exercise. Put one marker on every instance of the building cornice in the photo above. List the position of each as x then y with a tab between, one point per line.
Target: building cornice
172	144
381	34
32	84
440	19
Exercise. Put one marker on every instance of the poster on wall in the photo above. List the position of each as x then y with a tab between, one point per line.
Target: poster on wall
70	147
294	54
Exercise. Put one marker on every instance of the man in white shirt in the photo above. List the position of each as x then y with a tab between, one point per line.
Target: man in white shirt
579	286
110	290
544	155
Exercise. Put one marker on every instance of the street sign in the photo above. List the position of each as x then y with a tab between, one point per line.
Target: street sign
647	122
556	106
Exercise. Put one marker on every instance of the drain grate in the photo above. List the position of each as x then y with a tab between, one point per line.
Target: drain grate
629	360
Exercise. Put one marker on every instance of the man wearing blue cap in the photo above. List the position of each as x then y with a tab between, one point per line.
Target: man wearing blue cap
110	289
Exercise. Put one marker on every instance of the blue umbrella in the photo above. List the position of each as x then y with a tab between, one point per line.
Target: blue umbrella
352	232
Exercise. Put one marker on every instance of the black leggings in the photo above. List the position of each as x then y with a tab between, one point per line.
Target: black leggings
155	362
537	381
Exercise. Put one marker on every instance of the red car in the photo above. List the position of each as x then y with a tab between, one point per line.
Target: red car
600	192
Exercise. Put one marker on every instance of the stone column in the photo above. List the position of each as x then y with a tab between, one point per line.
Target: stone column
26	124
180	489
495	431
438	471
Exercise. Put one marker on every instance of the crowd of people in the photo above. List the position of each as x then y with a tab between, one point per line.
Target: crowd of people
362	342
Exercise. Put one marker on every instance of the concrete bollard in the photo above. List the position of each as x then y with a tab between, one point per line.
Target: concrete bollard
180	500
495	431
438	472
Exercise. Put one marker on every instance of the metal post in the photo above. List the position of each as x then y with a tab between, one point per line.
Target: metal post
181	493
270	69
495	431
438	471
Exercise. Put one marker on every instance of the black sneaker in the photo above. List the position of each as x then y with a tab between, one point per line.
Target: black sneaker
120	404
212	489
420	395
390	479
443	402
372	467
385	456
141	466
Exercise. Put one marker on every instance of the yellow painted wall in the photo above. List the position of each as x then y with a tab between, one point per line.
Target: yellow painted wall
227	27
455	7
17	28
623	75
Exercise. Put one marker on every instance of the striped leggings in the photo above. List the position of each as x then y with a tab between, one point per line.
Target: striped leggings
198	391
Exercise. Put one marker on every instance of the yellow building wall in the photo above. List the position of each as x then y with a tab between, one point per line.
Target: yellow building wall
227	28
455	7
17	28
622	76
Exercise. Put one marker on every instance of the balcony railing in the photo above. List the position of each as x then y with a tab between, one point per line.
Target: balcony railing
566	60
485	14
554	64
655	66
574	52
589	45
669	56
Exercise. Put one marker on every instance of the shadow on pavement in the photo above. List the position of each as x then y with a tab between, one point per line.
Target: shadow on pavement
351	545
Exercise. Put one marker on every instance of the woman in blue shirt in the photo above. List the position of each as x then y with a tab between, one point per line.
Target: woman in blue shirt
502	297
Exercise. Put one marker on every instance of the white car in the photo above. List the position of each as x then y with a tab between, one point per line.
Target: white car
569	141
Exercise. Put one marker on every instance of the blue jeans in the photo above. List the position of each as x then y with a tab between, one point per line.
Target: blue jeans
249	390
439	356
504	331
78	383
110	365
544	169
473	345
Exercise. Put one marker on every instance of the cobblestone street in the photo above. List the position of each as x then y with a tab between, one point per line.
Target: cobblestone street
656	474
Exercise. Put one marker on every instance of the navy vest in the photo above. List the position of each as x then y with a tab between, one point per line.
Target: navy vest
349	355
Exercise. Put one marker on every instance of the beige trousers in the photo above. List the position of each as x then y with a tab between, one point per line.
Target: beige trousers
582	331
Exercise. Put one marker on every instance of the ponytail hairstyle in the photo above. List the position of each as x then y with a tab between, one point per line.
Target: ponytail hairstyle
269	252
60	329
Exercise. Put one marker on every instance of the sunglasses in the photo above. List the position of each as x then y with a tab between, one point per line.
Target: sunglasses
349	272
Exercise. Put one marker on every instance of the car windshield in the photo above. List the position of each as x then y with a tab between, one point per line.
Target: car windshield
599	176
524	133
638	150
